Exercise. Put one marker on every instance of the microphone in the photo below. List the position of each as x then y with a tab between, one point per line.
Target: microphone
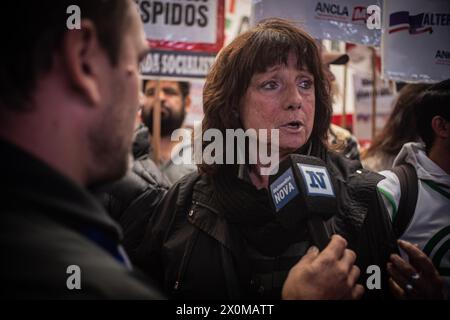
303	190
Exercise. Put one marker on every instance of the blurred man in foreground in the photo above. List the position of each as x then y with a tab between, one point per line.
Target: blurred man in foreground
67	108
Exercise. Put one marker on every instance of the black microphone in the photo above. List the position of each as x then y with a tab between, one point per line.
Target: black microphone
303	190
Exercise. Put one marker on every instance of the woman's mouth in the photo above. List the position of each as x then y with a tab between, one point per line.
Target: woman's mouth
292	126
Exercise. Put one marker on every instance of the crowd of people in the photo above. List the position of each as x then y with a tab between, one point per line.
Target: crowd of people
82	189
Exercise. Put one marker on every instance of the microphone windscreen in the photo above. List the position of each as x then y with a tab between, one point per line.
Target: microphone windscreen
302	188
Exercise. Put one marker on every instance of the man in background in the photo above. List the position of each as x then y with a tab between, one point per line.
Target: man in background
175	102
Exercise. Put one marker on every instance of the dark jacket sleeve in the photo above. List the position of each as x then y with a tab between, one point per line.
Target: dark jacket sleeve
133	200
368	229
378	241
148	257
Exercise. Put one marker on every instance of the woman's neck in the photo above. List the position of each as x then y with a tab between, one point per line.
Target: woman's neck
259	180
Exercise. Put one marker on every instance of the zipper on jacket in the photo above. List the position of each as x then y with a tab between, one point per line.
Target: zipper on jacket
233	288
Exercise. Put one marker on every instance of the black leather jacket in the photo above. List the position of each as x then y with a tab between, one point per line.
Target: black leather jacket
132	200
195	253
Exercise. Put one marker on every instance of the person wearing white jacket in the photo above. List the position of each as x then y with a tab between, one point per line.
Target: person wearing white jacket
424	273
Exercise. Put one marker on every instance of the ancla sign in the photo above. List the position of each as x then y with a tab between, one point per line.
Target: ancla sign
331	10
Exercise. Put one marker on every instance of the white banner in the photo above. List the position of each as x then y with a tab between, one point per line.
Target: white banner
343	20
415	44
184	36
178	64
180	20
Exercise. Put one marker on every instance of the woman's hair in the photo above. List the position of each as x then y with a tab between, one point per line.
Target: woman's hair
435	101
401	125
264	46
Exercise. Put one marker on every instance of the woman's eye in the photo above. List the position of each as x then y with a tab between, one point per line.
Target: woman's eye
306	84
270	85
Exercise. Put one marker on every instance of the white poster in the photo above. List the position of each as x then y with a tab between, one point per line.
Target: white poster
363	105
180	20
343	20
178	64
416	40
184	25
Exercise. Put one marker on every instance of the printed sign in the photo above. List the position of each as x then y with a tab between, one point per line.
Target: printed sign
177	64
192	25
344	20
415	42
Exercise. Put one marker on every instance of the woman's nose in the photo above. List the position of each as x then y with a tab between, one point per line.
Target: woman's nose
293	99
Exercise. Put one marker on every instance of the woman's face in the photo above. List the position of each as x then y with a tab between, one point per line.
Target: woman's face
281	98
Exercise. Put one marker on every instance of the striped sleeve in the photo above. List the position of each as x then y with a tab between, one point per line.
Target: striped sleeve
389	189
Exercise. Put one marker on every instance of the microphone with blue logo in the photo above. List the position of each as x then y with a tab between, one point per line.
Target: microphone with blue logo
303	190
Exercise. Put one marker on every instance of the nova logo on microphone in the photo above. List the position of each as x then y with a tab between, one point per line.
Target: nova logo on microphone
317	180
283	189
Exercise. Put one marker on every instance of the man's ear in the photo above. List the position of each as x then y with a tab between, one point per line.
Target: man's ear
83	57
441	127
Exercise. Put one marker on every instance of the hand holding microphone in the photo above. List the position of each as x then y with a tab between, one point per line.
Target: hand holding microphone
328	275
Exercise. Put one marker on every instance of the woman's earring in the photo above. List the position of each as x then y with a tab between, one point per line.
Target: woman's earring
235	113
